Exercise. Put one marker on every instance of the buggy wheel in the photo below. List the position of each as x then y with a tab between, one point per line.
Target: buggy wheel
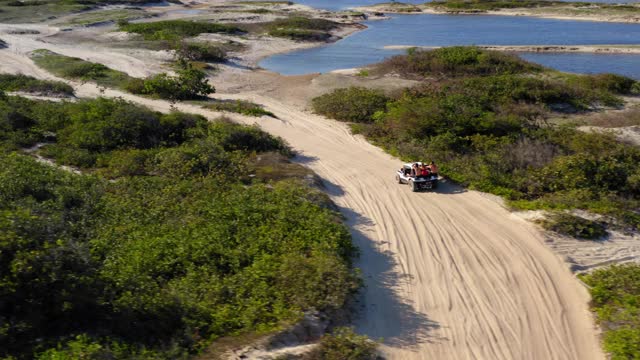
398	179
413	186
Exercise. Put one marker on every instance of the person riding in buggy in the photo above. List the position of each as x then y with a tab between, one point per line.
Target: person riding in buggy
418	176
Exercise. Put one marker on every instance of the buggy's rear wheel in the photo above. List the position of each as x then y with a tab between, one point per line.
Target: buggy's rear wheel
413	186
398	179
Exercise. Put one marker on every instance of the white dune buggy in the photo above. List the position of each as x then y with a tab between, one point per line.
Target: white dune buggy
404	175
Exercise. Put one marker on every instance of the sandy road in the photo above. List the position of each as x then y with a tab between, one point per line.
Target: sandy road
448	274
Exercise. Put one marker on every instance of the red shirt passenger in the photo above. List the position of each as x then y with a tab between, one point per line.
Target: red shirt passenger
424	171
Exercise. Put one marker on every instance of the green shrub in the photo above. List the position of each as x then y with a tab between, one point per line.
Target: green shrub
176	29
574	226
344	344
69	155
78	69
239	106
32	85
456	61
130	162
189	84
302	28
615	293
485	5
233	137
616	84
304	23
354	104
84	347
201	52
300	34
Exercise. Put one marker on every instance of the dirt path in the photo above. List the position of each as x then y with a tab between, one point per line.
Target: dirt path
448	275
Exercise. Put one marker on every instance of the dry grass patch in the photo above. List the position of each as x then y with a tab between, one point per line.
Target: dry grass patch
617	119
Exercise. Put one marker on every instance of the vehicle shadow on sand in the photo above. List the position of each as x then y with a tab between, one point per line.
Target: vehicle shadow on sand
381	313
303	159
446	186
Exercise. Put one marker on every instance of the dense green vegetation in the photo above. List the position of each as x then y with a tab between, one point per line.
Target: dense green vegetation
615	293
188	83
574	226
301	28
30	84
492	4
266	3
398	7
196	51
77	69
176	29
239	106
343	344
455	61
353	104
487	127
183	247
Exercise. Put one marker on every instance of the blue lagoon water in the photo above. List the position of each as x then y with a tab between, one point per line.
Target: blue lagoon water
345	4
367	46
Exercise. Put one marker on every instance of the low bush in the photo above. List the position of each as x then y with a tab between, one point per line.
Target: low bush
189	84
239	106
455	61
485	5
615	294
344	344
201	52
613	83
69	155
574	226
78	69
301	28
354	104
32	85
300	22
300	34
260	11
176	29
266	3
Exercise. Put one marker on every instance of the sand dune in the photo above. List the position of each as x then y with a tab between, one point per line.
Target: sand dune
449	274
